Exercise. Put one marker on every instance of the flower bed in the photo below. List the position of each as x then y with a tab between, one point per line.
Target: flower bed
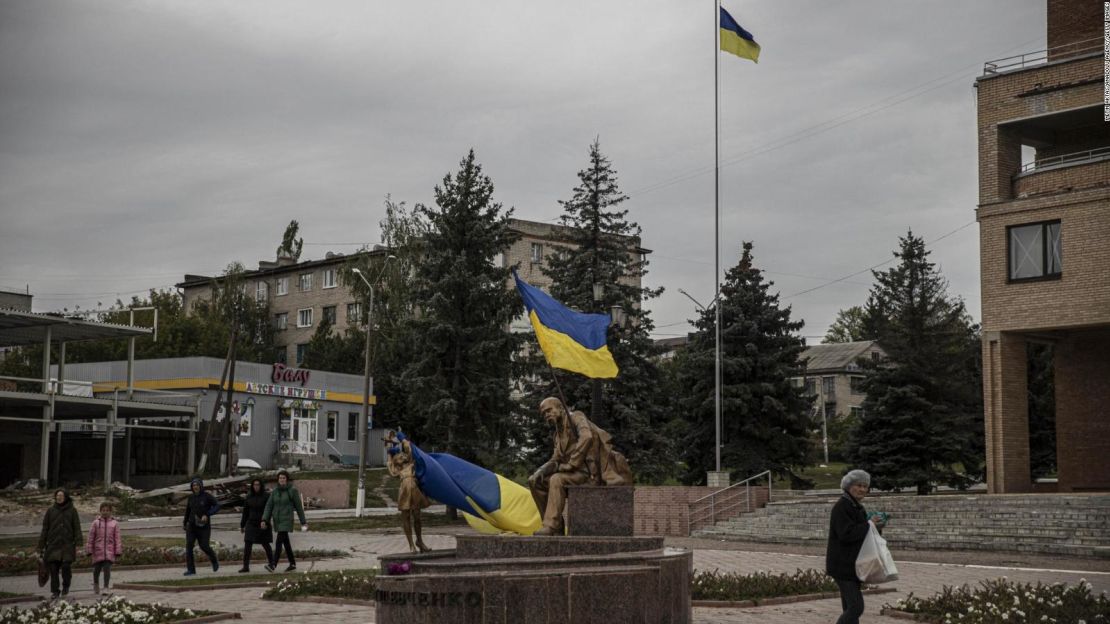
356	584
26	562
114	609
733	586
1002	602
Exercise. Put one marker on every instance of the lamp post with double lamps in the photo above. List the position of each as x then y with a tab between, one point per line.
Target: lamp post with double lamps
364	422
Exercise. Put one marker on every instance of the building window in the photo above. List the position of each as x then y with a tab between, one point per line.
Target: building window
281	321
828	385
811	386
857	412
1035	251
333	425
280	356
304	317
352	426
305	282
302	349
856	384
329	278
329	314
260	291
498	259
537	252
282	286
354	312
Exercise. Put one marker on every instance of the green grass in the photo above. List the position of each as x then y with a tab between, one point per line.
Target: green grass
372	523
357	584
827	478
4	594
201	581
374	479
23	543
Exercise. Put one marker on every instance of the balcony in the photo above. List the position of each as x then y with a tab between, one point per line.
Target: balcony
1066	172
1049	55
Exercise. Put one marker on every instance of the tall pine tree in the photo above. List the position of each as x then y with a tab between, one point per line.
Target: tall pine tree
923	412
603	249
764	417
459	380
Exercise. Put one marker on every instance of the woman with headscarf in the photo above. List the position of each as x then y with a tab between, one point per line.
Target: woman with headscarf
250	524
58	542
848	526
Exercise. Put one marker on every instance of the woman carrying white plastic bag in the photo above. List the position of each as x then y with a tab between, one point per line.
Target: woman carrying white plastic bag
874	564
848	528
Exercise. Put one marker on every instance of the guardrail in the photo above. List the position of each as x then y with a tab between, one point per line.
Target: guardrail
713	503
1066	160
1058	53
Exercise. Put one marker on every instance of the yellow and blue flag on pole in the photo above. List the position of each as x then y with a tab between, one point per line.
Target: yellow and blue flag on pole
490	503
736	40
570	340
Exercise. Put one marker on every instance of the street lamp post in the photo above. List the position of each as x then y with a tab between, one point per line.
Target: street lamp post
364	422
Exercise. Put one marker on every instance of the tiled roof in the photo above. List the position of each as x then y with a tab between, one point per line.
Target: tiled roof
834	356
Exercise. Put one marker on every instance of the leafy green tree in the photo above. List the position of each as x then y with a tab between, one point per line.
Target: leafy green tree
459	376
849	326
603	252
923	413
291	245
765	418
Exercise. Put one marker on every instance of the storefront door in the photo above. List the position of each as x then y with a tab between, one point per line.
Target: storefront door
304	432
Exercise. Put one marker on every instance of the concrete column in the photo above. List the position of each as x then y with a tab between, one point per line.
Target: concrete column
126	476
1006	413
47	412
130	368
191	452
57	471
109	434
1082	425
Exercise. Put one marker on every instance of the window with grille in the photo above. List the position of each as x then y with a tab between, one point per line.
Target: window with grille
1035	251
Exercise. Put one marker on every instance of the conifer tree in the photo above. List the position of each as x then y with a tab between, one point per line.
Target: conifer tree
603	249
923	412
764	417
459	378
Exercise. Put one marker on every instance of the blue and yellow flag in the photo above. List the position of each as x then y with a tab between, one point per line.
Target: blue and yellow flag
570	340
490	503
736	40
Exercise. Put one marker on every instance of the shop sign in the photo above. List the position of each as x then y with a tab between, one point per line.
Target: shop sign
288	374
287	391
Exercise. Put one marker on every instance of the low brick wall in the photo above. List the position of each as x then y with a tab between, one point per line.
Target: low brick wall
665	509
325	493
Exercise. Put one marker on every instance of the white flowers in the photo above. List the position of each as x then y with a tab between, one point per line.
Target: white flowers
111	610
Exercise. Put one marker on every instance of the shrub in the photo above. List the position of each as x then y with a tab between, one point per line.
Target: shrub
359	584
733	586
1001	602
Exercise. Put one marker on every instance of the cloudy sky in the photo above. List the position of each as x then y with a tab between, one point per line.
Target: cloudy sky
143	140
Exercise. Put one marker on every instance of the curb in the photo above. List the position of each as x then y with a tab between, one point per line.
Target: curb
354	602
777	600
902	615
176	589
20	598
215	617
162	566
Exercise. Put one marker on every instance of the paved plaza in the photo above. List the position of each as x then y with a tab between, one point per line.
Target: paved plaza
922	578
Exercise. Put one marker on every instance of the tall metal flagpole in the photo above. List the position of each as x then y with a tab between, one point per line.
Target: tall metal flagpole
717	222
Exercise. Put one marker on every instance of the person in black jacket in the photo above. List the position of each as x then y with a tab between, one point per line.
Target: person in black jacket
251	524
58	542
199	509
848	526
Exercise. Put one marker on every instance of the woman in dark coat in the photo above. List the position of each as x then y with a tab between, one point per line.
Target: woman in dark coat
58	542
848	526
250	524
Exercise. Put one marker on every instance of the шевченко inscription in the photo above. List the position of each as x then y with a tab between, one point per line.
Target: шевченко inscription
429	599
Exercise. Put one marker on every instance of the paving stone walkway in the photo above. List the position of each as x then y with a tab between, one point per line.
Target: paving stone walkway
920	578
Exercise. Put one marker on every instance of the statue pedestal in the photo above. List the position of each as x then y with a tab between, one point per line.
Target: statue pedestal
600	510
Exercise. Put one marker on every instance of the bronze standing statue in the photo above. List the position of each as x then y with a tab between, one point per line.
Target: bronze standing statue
583	454
410	498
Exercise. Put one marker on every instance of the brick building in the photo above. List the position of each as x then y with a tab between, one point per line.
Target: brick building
302	294
1044	254
833	376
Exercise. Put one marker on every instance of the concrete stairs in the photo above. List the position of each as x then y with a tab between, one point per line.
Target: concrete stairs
1049	524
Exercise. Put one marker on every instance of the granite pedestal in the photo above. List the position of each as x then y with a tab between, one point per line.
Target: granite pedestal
526	580
600	509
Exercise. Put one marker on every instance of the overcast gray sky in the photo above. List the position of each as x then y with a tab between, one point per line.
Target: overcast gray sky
143	140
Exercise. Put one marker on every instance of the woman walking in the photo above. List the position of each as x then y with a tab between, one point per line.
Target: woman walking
250	524
848	526
104	545
284	500
58	542
199	509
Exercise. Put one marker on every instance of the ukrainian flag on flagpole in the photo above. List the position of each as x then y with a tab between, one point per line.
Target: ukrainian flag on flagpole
736	40
570	340
490	503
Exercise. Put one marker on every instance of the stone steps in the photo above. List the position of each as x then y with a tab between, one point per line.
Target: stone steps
1072	525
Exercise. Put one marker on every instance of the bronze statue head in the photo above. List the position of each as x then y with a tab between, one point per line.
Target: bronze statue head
552	410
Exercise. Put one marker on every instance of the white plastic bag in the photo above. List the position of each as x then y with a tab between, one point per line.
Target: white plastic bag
874	563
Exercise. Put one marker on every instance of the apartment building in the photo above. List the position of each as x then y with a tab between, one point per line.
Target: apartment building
303	294
834	374
1044	224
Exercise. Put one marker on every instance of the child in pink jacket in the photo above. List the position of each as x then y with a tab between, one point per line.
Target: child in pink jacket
103	545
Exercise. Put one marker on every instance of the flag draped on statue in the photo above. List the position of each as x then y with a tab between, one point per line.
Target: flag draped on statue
736	40
570	340
490	503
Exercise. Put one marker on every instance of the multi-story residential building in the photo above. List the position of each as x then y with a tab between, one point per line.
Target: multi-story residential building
15	300
1044	228
302	294
833	376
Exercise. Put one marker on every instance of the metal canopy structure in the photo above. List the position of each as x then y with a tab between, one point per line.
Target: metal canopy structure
19	329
